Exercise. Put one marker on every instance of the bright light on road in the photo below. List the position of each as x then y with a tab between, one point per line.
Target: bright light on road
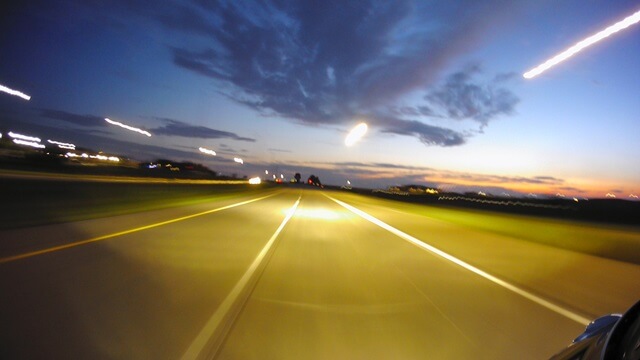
356	134
143	132
238	160
207	151
583	44
255	181
14	92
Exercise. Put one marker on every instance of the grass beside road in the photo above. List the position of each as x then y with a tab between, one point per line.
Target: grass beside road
32	202
611	241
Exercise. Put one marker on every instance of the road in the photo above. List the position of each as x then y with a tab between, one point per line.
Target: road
294	273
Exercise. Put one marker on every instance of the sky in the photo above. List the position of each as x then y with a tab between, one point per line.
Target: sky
280	84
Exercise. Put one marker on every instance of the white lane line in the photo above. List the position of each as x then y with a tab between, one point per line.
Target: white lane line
549	305
201	341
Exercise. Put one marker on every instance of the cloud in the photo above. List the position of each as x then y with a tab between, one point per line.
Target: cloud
280	150
327	62
461	98
76	119
178	128
427	134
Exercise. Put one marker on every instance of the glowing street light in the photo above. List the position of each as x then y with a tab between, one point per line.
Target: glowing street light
356	134
207	151
131	128
24	137
238	160
62	145
14	92
29	143
621	25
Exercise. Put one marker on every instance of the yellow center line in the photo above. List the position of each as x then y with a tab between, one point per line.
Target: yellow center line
125	232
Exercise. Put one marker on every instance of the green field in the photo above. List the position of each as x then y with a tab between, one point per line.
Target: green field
611	241
32	202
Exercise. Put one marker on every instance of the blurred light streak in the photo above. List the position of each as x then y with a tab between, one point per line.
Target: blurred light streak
356	134
24	137
255	181
14	92
143	132
62	145
583	44
633	196
96	157
207	151
29	143
238	160
610	195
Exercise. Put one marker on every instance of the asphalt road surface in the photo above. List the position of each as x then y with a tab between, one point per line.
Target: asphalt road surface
294	274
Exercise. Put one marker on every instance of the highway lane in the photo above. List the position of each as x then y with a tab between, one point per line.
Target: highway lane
589	285
331	285
349	290
143	295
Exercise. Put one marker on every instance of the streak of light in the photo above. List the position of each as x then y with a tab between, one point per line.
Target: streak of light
576	199
255	181
24	137
281	176
633	196
356	134
621	25
610	195
62	145
14	92
29	143
0	135
348	182
97	157
207	151
143	132
266	172
238	160
559	195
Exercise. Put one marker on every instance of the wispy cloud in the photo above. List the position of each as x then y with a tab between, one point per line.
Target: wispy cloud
76	119
325	63
178	128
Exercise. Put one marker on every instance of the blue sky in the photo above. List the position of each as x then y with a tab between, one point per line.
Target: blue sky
280	84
